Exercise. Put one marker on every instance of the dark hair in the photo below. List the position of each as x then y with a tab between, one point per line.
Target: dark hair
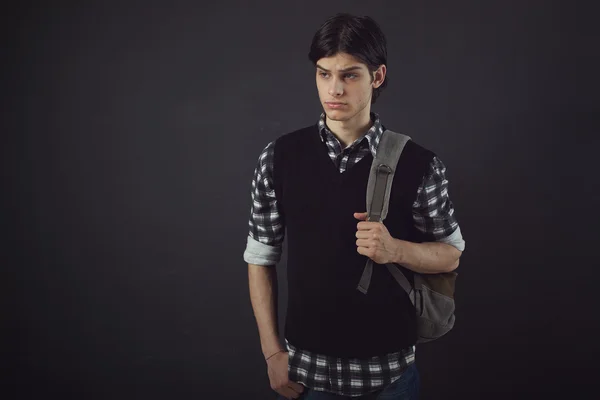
360	37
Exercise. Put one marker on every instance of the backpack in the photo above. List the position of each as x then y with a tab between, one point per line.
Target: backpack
432	295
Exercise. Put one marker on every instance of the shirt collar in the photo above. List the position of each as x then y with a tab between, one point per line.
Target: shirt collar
373	135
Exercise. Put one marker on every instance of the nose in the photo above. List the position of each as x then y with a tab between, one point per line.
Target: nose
336	87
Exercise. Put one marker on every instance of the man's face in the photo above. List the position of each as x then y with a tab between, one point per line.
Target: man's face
344	79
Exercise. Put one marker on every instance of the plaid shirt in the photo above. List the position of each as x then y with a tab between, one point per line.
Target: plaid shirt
433	214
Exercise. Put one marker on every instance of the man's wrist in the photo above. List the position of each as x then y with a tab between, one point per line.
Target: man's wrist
399	251
272	351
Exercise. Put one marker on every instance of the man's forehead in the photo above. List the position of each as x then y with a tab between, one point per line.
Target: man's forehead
340	62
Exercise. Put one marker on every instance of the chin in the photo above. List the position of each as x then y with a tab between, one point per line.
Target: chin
338	115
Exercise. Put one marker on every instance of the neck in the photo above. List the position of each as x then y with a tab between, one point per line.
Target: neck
347	131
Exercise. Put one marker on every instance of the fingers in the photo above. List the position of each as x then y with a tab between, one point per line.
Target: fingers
372	234
291	393
288	393
296	386
366	243
366	235
367	225
366	251
361	216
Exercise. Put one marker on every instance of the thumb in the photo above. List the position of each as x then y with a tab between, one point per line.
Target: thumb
360	216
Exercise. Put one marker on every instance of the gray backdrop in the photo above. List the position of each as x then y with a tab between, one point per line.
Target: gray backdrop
130	136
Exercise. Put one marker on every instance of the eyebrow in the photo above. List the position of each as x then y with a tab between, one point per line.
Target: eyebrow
353	68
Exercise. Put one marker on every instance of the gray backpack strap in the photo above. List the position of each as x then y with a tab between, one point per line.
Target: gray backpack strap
379	188
402	281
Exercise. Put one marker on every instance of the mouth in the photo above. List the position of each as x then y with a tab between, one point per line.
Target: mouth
334	105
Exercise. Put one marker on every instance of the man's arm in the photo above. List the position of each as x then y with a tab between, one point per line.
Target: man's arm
263	295
434	217
263	251
374	241
428	257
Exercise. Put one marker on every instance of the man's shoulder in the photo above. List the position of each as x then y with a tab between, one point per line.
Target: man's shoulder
414	147
286	139
293	141
422	150
296	135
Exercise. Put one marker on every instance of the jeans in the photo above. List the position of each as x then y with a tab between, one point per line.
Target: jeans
404	388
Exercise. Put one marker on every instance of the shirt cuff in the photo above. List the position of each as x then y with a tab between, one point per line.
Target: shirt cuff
455	239
261	254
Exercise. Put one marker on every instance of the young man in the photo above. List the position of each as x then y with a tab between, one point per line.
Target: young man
310	185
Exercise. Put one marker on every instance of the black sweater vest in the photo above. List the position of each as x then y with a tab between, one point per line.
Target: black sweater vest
326	314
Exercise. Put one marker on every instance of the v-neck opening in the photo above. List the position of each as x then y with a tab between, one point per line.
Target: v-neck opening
325	154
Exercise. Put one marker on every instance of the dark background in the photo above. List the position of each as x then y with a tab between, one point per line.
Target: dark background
130	135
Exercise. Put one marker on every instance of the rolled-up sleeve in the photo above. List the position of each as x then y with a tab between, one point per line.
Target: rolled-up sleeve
266	235
433	211
261	254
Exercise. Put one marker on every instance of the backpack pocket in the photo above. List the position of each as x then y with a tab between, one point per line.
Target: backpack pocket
433	298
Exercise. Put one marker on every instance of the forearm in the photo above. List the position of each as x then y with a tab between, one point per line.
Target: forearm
428	257
263	295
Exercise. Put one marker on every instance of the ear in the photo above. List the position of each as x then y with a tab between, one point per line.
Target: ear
379	76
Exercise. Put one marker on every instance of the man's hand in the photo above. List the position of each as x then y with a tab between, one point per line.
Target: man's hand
374	241
279	377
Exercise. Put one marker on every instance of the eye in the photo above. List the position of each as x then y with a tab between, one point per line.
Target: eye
323	74
351	75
